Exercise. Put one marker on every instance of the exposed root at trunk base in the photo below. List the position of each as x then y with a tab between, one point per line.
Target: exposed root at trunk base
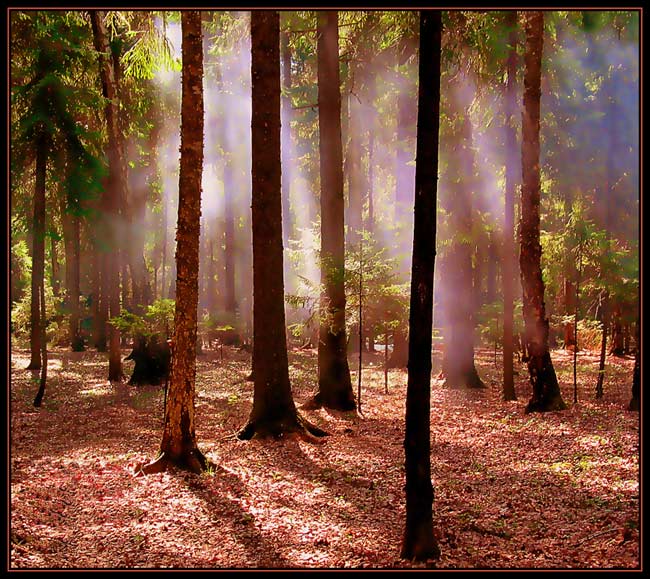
545	405
192	460
277	429
318	400
469	380
423	549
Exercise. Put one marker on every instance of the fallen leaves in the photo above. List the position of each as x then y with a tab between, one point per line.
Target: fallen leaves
511	490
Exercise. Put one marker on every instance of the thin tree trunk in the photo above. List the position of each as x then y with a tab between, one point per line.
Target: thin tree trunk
418	542
38	252
56	268
635	402
509	259
603	314
353	165
274	412
546	390
334	382
178	444
38	400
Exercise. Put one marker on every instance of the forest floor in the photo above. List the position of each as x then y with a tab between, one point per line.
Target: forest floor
554	490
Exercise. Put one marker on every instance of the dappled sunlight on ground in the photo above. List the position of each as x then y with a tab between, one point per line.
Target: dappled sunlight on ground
558	490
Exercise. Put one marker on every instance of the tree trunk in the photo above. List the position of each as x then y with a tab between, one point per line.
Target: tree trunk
418	542
509	260
604	318
334	383
71	239
635	402
546	390
353	164
178	444
56	268
229	256
113	193
287	141
274	412
458	366
618	337
38	252
99	307
400	355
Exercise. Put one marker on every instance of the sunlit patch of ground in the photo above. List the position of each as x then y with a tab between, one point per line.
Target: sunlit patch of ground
558	490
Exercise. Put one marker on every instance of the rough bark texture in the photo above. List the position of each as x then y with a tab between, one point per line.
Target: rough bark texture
274	412
418	542
113	194
508	261
38	252
546	391
178	444
334	383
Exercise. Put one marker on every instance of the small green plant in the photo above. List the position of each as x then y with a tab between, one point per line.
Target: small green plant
158	319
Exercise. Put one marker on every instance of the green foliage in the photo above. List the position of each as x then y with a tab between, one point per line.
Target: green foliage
21	316
158	319
489	321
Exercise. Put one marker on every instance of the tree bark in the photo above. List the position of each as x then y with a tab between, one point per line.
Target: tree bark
274	412
509	260
458	366
546	390
334	383
418	542
71	239
113	193
287	141
178	444
38	251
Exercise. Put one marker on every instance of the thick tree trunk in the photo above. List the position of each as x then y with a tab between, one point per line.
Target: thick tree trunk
400	355
113	194
334	383
99	303
178	444
274	412
287	141
38	252
458	366
418	542
229	255
546	390
509	259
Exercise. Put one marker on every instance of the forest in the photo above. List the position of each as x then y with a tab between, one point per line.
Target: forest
337	289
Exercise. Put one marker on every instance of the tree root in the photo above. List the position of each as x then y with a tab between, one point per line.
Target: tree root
191	460
277	429
318	401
